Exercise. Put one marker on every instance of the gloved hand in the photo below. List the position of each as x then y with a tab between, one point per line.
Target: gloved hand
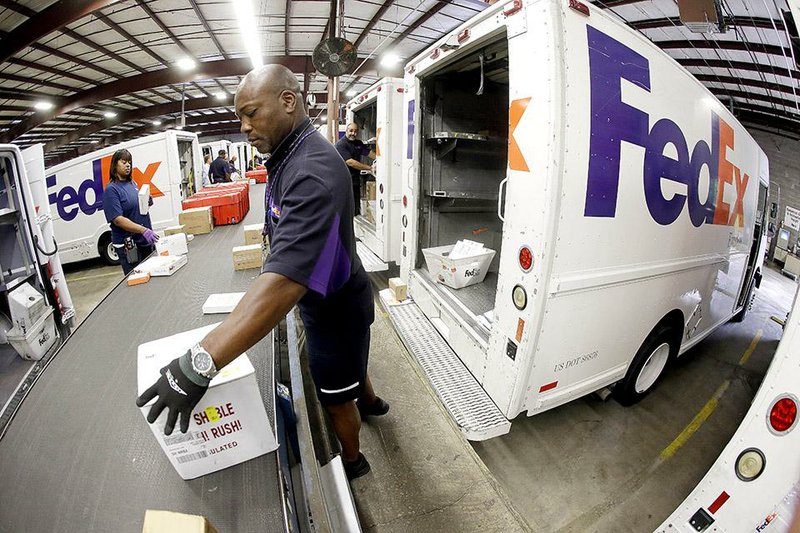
150	236
179	389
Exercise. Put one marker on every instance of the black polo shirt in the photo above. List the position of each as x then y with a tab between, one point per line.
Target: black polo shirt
218	170
352	150
311	233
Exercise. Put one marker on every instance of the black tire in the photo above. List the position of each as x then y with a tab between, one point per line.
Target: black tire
658	349
107	252
739	317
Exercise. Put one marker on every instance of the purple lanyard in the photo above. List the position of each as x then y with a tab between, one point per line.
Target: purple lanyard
273	183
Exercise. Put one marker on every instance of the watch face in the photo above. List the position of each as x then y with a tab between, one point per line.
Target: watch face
202	362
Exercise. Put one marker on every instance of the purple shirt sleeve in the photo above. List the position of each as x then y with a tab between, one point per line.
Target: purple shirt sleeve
306	245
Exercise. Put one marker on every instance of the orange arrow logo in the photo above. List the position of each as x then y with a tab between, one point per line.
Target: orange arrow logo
516	161
146	177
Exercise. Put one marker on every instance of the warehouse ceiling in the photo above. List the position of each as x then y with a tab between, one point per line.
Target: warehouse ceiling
113	70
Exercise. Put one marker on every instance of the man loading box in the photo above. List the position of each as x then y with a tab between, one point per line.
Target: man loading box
352	150
312	263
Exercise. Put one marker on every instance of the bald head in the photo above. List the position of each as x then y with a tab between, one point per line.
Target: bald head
269	105
271	78
352	131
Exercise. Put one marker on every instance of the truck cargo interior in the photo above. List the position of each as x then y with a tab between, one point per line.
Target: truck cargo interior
188	183
464	114
367	120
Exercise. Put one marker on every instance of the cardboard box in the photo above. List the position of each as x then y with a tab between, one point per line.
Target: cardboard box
34	344
144	199
169	522
228	426
138	278
370	190
172	245
222	302
172	230
252	234
26	306
197	220
162	265
245	257
399	288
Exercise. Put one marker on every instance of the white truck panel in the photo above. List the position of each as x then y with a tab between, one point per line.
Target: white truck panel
75	190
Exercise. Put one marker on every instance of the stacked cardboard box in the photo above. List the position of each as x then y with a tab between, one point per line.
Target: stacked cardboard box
249	256
197	220
370	190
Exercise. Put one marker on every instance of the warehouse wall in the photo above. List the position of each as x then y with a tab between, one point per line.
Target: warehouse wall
784	171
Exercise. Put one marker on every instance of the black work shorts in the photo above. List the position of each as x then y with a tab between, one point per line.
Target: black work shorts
338	366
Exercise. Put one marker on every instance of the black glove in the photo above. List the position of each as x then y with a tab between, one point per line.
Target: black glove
179	388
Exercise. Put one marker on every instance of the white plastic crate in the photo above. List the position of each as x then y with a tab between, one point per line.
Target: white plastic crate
34	344
457	273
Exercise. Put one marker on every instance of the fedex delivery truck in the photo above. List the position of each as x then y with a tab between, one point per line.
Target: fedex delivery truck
755	483
624	205
212	148
169	162
379	113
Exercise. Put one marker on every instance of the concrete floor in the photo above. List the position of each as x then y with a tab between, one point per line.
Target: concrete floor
586	466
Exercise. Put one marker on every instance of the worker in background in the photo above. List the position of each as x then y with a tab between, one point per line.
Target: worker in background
206	167
233	169
220	170
132	232
312	264
352	150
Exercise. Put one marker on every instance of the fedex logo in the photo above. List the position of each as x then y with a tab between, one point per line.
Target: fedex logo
88	197
614	121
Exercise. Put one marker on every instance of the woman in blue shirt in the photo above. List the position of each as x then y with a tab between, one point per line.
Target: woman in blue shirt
131	232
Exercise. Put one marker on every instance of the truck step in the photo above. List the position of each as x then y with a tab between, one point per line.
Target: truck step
371	262
466	401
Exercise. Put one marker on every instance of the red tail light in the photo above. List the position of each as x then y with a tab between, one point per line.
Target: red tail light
783	414
525	258
405	201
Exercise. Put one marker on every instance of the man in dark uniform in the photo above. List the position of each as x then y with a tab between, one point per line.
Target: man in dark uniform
312	263
219	171
352	150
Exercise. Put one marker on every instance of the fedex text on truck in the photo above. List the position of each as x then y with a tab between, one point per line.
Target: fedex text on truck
69	201
614	121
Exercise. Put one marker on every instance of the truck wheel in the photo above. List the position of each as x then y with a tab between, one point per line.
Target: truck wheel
647	366
738	317
107	251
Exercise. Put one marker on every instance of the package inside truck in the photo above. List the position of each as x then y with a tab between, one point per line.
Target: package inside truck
464	159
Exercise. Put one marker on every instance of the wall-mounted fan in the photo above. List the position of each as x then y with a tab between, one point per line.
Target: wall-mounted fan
334	56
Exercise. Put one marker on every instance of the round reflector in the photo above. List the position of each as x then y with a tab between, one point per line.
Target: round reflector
405	201
750	464
405	221
783	414
520	297
525	259
380	188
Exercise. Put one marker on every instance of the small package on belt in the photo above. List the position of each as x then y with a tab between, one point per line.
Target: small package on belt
162	265
138	277
252	233
172	230
245	257
144	199
169	522
172	245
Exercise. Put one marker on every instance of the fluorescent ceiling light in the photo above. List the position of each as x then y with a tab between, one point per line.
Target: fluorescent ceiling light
390	59
248	30
109	114
351	92
96	141
44	106
221	96
156	123
186	63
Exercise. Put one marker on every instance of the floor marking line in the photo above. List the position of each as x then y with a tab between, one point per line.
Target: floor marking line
751	348
695	424
93	276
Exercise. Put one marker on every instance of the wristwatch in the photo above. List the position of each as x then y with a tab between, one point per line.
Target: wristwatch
202	363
